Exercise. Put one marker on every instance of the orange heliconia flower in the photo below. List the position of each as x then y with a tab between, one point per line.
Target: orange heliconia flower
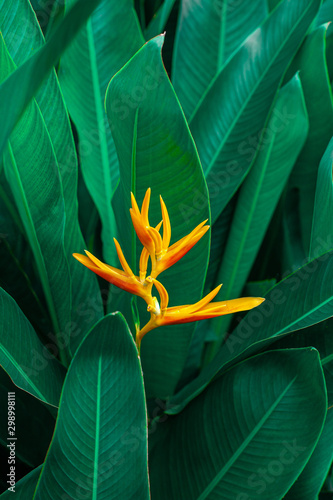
162	256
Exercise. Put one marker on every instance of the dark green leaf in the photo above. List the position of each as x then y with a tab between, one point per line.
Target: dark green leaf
249	435
311	62
14	96
99	448
28	363
233	111
111	36
302	299
282	141
208	33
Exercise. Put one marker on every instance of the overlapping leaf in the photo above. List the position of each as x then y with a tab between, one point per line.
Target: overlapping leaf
302	299
233	111
259	424
156	150
208	33
282	141
322	226
52	124
319	102
110	38
13	96
99	448
28	363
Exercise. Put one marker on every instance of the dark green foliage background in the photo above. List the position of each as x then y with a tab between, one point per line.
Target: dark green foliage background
229	116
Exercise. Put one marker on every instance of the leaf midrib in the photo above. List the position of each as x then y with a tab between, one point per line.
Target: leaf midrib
254	89
107	181
22	373
246	442
34	242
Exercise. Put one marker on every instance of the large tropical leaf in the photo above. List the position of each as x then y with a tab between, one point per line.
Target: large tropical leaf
156	150
56	125
25	488
110	38
28	363
208	33
233	111
33	423
282	141
322	226
14	94
311	62
302	299
259	424
37	190
309	483
99	448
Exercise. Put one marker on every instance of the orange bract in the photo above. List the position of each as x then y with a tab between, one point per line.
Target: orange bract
162	257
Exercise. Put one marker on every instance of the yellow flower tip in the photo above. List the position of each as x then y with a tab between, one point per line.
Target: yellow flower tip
145	207
122	259
162	293
166	224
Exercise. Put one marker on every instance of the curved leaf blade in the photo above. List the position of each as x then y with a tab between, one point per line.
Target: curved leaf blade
284	138
99	448
24	357
265	418
208	33
279	315
244	91
111	37
13	98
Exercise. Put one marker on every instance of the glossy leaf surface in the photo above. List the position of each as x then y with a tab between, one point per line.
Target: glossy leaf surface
283	139
244	91
99	448
111	36
22	355
54	124
208	33
302	299
259	422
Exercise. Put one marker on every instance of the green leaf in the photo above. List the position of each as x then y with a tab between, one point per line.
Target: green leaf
55	125
325	14
208	34
322	226
25	488
111	36
14	97
259	424
311	62
233	111
156	150
309	483
282	142
33	423
28	157
28	363
99	448
302	299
